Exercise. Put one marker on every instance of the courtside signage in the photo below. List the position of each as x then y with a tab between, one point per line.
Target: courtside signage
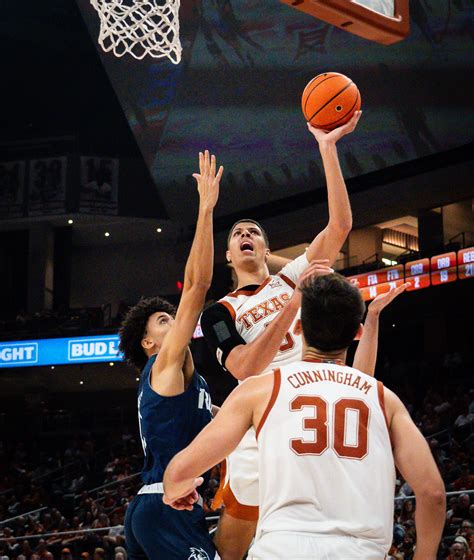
13	354
87	349
57	351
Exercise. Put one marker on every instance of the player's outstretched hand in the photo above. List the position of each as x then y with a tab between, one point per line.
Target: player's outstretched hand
332	136
318	267
187	500
207	180
382	300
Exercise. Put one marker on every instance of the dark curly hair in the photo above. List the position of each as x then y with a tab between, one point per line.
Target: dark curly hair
331	312
133	328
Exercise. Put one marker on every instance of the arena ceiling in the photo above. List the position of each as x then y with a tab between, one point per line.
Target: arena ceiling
59	83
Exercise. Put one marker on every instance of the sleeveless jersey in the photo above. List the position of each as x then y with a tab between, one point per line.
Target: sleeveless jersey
252	311
325	459
169	424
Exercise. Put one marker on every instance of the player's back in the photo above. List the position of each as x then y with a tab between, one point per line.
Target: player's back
325	460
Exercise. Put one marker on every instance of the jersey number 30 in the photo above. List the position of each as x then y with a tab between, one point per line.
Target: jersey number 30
347	443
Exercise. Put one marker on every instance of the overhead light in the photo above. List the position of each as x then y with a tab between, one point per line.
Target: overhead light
159	230
111	364
389	262
81	382
137	379
70	222
52	367
107	234
393	325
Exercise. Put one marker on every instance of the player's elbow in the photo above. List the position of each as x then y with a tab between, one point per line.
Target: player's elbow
176	471
198	288
242	374
236	370
437	496
341	227
433	493
201	284
238	366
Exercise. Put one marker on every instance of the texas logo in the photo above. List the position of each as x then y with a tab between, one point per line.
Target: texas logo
263	310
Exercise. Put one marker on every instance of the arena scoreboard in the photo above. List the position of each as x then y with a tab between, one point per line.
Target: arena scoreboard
421	273
466	263
372	284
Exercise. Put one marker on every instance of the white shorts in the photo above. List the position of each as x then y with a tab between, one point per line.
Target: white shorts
281	545
239	486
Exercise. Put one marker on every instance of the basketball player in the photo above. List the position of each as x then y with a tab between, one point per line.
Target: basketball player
251	331
325	435
173	399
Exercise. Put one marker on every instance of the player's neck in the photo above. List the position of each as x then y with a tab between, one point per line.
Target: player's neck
313	354
250	277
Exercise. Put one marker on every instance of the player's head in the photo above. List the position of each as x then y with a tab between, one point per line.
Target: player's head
144	328
331	312
247	244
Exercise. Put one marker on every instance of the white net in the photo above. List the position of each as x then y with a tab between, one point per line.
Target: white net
140	28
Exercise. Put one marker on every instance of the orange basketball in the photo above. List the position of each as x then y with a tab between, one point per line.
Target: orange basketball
330	100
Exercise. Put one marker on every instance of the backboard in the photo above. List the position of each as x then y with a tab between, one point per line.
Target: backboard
382	21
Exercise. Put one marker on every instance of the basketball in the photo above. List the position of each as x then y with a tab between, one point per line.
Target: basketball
329	100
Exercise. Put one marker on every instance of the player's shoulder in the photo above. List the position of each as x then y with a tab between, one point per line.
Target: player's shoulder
257	387
262	379
248	394
393	403
293	269
217	311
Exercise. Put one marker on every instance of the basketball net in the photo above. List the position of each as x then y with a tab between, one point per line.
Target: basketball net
140	28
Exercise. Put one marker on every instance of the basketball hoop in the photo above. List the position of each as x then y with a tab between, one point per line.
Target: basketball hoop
140	28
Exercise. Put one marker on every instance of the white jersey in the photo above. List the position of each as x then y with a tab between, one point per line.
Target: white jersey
325	460
252	311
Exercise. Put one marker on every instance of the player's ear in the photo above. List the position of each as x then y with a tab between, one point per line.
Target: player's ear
359	332
267	253
147	343
227	256
297	328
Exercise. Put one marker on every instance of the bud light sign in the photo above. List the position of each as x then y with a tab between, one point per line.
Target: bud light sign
92	349
57	351
19	353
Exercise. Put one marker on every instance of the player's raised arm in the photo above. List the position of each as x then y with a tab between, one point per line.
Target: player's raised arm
415	462
328	243
215	442
366	354
197	278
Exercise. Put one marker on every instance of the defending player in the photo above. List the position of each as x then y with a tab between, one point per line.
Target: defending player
173	399
251	330
325	435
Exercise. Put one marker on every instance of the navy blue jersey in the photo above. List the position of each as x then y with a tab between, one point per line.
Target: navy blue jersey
169	424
